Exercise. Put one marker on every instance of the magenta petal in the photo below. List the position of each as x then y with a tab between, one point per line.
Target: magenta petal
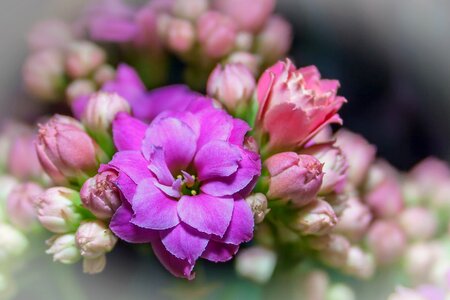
127	84
128	132
217	159
240	129
152	208
216	125
126	186
184	242
159	167
219	252
177	140
241	226
207	214
133	164
121	226
177	267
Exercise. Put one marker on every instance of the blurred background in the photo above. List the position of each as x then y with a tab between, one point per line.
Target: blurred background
391	57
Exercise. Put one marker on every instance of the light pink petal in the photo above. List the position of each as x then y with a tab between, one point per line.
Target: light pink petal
219	252
177	267
207	214
241	226
128	132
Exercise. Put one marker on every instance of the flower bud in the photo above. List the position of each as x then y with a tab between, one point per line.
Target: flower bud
100	195
256	263
258	204
7	183
94	265
333	249
94	239
359	153
180	35
334	167
386	241
43	74
250	15
83	58
20	205
63	249
275	39
104	74
418	223
419	260
101	110
338	202
250	60
233	85
402	293
49	34
216	34
294	177
359	264
57	211
80	88
189	9
313	285
244	41
340	291
355	220
23	162
317	218
66	152
13	243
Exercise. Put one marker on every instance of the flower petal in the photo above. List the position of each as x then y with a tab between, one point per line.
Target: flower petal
126	186
184	242
128	132
177	267
125	230
152	208
219	252
217	159
216	125
159	168
240	129
241	226
207	214
132	163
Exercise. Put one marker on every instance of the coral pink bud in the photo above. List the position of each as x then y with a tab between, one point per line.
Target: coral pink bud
251	61
334	167
13	243
104	74
305	102
43	74
100	195
63	249
180	35
23	162
233	85
49	34
94	239
250	15
66	152
83	58
359	263
256	263
333	249
101	110
418	230
189	9
386	241
355	220
317	218
258	204
275	39
360	154
216	34
20	205
294	177
57	210
80	88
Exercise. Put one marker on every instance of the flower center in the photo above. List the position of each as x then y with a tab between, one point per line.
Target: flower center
190	185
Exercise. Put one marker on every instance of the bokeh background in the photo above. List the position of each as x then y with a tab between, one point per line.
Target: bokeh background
391	57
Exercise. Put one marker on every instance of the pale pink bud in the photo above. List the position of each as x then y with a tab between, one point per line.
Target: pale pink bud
104	74
7	183
250	15
180	35
360	154
190	9
100	195
23	162
359	263
250	60
13	243
429	172
355	220
418	223
294	177
232	84
20	205
419	260
43	74
333	249
216	34
80	88
83	58
244	41
101	110
275	39
57	211
256	263
94	239
63	248
386	241
313	285
317	218
340	291
402	293
66	152
94	265
49	34
334	167
338	202
258	204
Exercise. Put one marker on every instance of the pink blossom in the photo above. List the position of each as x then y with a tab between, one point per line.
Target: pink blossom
21	205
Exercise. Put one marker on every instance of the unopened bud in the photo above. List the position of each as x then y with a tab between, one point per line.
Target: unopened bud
317	218
359	263
256	263
355	220
387	241
418	223
180	35
190	9
258	204
250	60
333	249
104	74
275	39
21	205
340	291
63	249
13	243
94	239
83	58
94	265
80	88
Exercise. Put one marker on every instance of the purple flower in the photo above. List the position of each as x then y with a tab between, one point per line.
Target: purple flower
184	178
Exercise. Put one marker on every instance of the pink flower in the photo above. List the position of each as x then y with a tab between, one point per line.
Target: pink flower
305	102
275	39
20	205
180	35
387	241
294	177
